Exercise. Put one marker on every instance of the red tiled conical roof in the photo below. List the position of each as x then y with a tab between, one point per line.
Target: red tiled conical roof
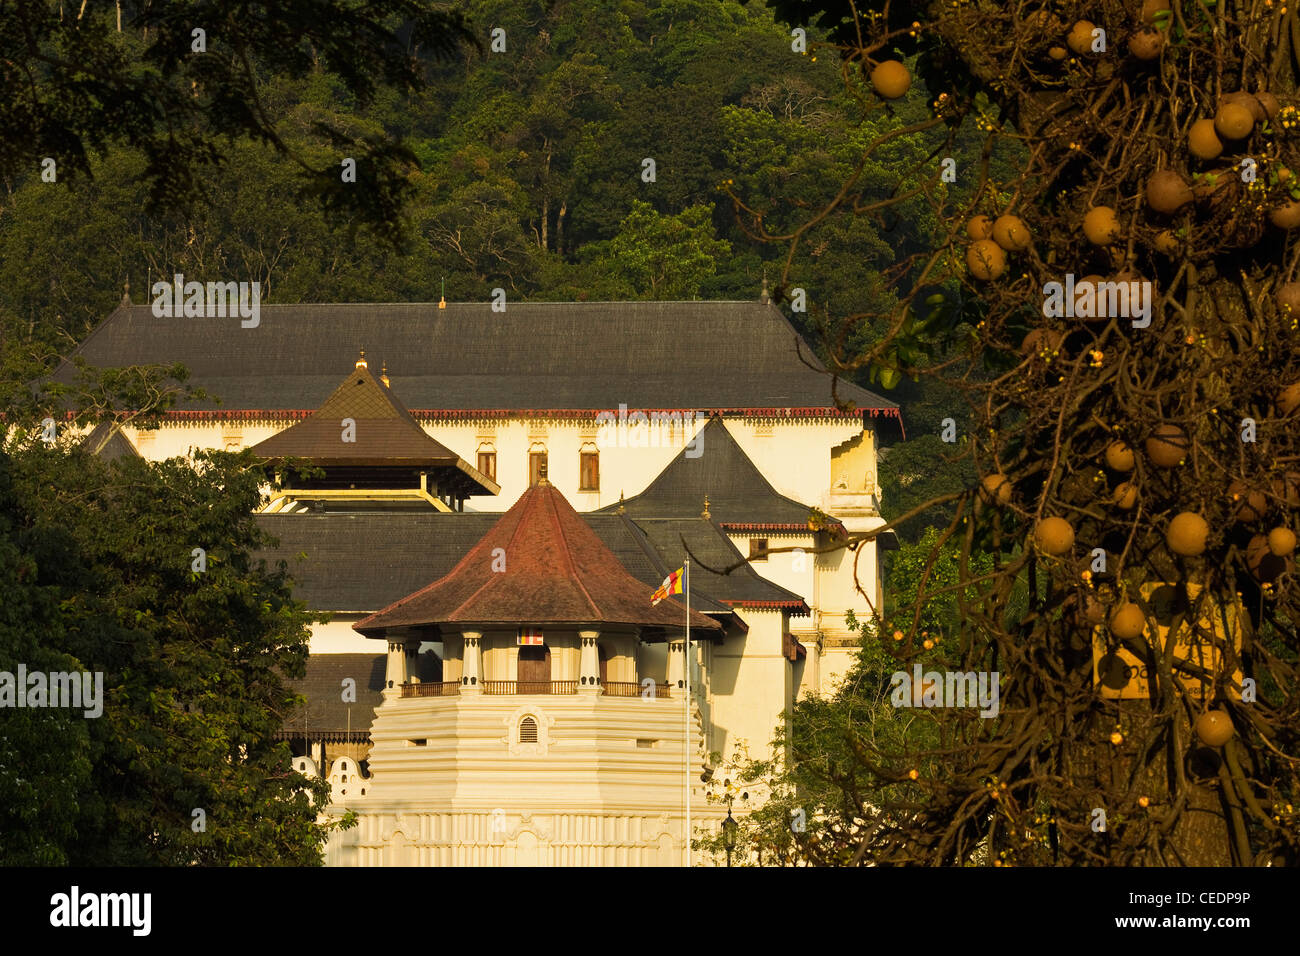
557	572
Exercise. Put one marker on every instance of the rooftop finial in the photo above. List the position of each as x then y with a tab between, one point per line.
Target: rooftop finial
442	303
361	362
383	375
541	474
764	298
621	509
705	513
126	292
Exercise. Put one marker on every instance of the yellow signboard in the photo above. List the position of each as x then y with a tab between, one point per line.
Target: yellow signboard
1119	674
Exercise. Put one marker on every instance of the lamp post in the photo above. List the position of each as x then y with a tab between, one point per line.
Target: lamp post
729	828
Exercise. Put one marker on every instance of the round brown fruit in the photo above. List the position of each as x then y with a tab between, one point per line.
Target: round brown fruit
1125	495
890	79
1288	399
1252	104
1041	340
1214	727
1202	141
1127	622
1120	457
1011	233
1234	121
980	227
1166	243
1150	8
1288	298
1251	504
1286	216
1080	37
1187	533
1281	542
1167	446
1146	44
1167	191
1268	102
1058	53
995	488
1054	536
1101	226
986	260
1263	563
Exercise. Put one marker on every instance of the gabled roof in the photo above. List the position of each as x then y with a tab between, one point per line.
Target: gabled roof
539	564
740	498
119	446
382	432
467	359
744	587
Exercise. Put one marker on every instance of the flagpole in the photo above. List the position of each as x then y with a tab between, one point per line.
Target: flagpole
687	575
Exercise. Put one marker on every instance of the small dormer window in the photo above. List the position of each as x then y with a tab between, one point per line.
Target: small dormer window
528	731
758	549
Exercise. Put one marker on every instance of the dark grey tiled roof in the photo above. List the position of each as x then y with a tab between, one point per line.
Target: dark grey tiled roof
364	562
738	493
537	355
743	587
323	688
119	446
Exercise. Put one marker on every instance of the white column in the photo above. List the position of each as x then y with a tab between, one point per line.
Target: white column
588	663
471	679
395	673
677	667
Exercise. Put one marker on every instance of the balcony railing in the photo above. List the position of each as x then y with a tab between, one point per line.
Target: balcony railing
618	688
512	687
530	687
432	689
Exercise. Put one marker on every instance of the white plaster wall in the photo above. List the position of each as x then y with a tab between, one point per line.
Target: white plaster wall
748	685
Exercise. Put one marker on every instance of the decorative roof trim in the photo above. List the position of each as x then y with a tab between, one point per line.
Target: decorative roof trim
797	608
770	526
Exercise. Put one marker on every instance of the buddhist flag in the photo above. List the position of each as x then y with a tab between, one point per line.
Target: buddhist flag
530	636
672	585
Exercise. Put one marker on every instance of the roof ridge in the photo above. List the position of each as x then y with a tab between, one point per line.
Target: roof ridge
568	553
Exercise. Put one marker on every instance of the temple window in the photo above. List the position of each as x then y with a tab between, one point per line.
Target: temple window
487	461
528	731
589	470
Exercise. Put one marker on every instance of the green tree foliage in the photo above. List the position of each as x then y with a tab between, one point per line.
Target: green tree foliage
177	81
851	753
663	257
194	665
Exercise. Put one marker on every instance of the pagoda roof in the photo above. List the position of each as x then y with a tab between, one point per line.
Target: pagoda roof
469	361
557	572
386	434
740	498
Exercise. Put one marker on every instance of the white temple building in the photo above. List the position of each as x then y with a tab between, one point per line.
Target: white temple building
499	499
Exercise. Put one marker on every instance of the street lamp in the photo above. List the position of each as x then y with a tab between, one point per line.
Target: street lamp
729	828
